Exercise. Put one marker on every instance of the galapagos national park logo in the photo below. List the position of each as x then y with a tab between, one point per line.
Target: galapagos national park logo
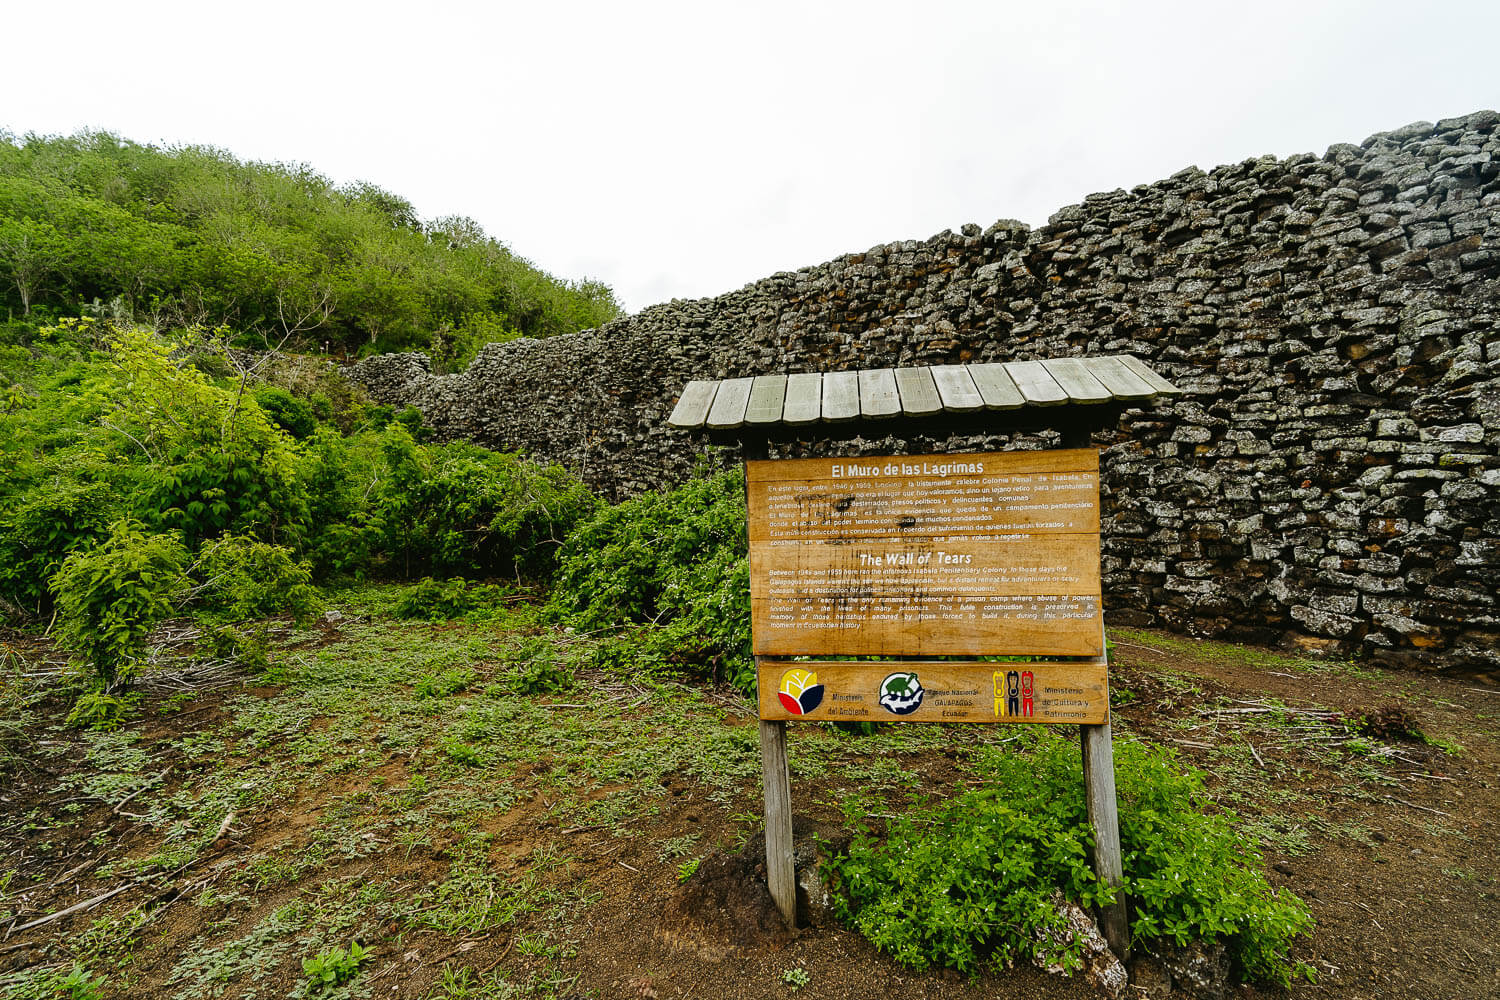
901	694
800	691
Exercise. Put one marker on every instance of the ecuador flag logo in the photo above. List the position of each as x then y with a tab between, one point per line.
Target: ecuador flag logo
800	691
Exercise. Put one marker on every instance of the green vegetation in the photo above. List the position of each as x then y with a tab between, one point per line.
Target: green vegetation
54	984
141	478
328	970
970	881
674	565
191	236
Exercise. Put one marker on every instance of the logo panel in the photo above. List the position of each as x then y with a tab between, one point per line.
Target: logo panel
901	693
800	691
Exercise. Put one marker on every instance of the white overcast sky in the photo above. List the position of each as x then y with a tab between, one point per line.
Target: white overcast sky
683	150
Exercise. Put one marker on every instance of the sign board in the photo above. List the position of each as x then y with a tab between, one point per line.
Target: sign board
972	579
934	691
955	555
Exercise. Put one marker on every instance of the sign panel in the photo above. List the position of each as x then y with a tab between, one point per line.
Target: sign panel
934	691
963	555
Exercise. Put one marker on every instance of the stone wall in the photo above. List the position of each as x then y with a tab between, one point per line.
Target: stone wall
1330	477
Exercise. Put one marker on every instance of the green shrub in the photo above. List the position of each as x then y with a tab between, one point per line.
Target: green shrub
111	596
102	711
443	600
287	411
339	474
968	882
243	578
458	509
249	647
217	461
538	667
42	526
675	560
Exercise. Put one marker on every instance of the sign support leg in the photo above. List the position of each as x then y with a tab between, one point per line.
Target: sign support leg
781	871
1104	817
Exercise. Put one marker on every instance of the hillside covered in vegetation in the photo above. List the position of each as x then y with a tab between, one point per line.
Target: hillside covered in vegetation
192	236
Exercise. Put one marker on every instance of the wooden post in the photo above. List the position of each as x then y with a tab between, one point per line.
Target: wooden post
781	871
781	868
1104	817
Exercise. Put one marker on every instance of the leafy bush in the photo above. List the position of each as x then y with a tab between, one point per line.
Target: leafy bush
675	560
287	411
111	596
541	670
443	600
339	474
460	509
102	711
243	578
42	526
217	462
249	647
967	882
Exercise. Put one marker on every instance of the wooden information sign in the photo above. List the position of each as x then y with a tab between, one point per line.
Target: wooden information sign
958	555
930	562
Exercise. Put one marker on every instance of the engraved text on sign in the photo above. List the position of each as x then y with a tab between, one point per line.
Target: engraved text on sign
946	555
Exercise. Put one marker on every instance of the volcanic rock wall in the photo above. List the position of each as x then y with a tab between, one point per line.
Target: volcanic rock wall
1331	474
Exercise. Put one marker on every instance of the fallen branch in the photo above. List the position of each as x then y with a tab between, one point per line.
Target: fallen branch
1413	805
151	783
76	907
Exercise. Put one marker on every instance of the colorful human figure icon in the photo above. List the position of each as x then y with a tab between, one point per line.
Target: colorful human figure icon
1028	690
1012	693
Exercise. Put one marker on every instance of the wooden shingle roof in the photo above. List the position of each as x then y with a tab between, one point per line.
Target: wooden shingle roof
766	402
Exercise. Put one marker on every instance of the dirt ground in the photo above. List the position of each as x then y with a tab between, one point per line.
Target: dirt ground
1401	868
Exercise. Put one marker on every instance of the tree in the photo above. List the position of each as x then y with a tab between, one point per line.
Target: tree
30	253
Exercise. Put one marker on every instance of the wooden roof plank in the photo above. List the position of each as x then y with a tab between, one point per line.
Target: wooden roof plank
1074	377
1036	385
996	387
1155	381
840	397
804	399
730	403
767	395
918	392
956	388
692	406
1118	379
879	398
